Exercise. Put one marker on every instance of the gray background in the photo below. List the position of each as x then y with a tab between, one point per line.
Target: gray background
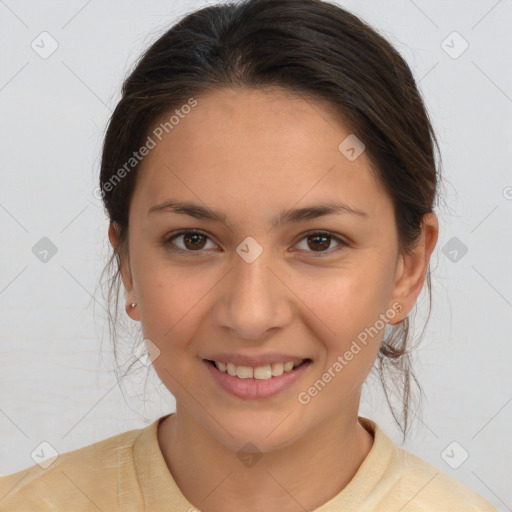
57	380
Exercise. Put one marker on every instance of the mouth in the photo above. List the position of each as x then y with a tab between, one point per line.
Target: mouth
263	372
251	382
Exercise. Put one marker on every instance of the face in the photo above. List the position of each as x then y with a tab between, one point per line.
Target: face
270	275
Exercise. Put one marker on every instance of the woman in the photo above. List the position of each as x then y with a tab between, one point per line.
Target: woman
270	177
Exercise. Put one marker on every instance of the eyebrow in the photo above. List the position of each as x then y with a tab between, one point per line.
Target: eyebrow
286	216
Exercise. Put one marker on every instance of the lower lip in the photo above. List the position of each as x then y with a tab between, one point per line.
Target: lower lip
256	388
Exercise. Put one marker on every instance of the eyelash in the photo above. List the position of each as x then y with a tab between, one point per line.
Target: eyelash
317	254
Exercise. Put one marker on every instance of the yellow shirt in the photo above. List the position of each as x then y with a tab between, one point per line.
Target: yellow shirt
127	472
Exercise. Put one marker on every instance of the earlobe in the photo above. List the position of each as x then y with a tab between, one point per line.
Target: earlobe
125	271
132	311
413	267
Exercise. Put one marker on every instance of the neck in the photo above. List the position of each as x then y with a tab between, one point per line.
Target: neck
296	477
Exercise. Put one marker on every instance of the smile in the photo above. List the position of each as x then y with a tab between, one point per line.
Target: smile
250	382
259	372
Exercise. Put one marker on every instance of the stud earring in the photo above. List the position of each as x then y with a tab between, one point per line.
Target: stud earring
133	304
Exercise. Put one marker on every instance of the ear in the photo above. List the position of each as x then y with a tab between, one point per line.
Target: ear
412	268
125	271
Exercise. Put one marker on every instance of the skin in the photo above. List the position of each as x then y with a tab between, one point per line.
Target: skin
251	154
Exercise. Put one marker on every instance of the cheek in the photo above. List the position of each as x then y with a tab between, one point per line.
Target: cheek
347	300
172	300
167	297
351	306
170	313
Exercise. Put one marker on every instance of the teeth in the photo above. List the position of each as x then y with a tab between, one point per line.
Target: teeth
260	372
263	372
221	366
244	372
277	369
231	368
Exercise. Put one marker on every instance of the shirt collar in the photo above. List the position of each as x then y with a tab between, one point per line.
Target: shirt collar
159	489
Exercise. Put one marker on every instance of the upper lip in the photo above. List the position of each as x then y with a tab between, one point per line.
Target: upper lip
258	360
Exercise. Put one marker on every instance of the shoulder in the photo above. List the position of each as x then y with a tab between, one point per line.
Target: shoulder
426	487
432	488
83	476
392	478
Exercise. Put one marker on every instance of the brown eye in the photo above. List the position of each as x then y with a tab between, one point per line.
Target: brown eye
190	241
193	241
319	242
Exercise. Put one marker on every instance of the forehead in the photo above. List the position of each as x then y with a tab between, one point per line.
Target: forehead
253	148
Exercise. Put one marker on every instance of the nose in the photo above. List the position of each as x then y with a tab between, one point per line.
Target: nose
254	299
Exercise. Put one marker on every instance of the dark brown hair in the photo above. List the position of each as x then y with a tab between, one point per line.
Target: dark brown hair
317	50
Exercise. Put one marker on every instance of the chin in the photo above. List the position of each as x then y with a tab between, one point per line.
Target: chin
268	432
